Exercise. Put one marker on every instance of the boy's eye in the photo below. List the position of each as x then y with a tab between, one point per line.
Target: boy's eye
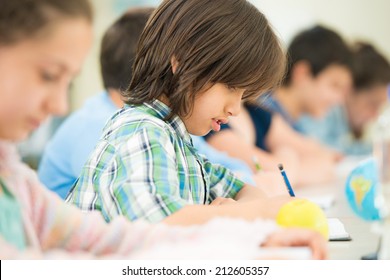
49	77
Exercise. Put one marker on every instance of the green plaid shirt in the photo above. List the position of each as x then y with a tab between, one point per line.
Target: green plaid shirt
144	167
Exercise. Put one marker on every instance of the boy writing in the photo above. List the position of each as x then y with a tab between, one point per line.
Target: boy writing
196	61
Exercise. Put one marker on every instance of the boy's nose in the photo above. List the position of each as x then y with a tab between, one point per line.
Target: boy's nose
235	105
235	108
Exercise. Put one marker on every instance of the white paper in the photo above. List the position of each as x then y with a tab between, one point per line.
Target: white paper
337	230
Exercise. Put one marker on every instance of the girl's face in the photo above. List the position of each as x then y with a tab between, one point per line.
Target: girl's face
213	107
327	89
35	75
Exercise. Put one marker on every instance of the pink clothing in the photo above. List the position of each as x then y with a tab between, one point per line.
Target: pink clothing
57	230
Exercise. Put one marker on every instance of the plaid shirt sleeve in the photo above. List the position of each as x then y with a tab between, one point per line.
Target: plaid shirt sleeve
137	179
222	181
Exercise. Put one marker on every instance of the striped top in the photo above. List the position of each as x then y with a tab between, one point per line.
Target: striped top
145	167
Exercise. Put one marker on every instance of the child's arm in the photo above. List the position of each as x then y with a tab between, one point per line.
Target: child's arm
63	231
248	193
231	143
282	134
210	241
316	162
248	210
300	237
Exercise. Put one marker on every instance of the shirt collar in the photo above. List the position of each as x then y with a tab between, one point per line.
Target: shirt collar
162	111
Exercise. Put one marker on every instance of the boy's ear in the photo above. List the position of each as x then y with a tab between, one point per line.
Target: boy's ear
174	64
301	71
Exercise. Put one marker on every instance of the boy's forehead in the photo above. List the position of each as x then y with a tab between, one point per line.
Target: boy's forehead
336	70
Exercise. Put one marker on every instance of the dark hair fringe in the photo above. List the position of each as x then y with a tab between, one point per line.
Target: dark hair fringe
320	47
370	67
219	41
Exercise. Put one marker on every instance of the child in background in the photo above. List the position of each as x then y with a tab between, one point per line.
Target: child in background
42	45
75	139
345	127
259	136
195	62
318	76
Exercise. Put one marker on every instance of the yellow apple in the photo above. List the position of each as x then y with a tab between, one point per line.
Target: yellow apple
303	213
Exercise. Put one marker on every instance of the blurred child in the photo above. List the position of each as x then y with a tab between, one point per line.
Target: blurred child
42	45
318	76
196	61
345	127
75	139
260	137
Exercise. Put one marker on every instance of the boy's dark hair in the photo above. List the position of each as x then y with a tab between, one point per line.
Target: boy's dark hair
28	18
320	47
118	48
370	68
219	41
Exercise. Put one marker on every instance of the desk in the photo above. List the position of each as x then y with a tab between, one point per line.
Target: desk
363	242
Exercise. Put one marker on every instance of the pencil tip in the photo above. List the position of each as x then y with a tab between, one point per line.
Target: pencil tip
280	166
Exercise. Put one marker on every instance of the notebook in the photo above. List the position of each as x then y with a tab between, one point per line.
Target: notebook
337	230
324	201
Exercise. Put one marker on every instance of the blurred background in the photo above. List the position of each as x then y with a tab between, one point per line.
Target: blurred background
352	19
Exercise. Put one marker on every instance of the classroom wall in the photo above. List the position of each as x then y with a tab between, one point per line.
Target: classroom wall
89	81
354	19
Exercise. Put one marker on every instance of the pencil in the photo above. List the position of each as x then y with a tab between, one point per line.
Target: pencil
286	181
257	164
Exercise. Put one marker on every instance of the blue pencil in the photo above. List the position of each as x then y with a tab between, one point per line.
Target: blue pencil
286	181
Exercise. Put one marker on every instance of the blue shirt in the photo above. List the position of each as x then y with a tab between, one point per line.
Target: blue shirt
69	148
273	105
333	130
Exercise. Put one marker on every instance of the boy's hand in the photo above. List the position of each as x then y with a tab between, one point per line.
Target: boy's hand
299	237
222	200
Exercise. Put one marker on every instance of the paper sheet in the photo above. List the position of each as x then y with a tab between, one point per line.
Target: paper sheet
324	201
337	230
